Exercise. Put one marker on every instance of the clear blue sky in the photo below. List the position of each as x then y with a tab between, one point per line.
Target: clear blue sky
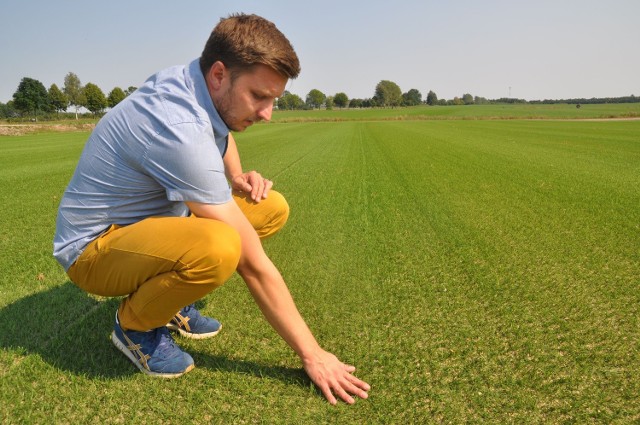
530	49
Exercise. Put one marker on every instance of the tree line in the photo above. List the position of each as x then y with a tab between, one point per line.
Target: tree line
387	94
32	99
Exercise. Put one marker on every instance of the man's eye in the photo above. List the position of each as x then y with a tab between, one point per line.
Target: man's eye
260	97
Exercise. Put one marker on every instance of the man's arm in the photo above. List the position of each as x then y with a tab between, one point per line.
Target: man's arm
251	182
274	299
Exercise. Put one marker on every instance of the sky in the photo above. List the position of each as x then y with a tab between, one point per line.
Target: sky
533	50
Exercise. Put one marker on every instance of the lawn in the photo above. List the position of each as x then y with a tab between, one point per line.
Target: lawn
475	271
468	112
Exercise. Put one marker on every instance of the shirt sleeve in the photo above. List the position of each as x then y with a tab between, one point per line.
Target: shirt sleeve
187	162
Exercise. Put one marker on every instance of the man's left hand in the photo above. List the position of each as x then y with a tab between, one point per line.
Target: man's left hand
253	183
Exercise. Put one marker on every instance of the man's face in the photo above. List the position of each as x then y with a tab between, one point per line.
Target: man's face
246	99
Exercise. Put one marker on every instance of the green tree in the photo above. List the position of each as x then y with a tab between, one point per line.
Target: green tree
412	98
355	103
432	99
328	102
315	98
480	100
341	100
95	101
467	99
130	90
387	93
31	97
281	102
73	90
116	96
7	110
290	101
59	101
295	101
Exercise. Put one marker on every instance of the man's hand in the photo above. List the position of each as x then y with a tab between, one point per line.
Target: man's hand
252	182
334	377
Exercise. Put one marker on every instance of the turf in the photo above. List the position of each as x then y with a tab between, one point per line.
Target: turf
474	271
467	112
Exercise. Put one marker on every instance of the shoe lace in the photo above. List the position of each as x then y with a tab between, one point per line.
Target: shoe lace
165	340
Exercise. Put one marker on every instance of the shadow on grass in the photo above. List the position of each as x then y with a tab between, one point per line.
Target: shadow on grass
71	331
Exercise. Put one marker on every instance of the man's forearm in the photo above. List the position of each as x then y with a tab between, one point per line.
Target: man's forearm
274	299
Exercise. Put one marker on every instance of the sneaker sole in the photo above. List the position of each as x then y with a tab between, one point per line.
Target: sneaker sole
192	335
116	341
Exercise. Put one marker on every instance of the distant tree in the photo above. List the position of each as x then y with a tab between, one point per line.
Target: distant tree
356	103
73	90
31	97
7	110
387	93
315	99
281	102
341	100
467	99
369	103
295	101
115	96
95	101
432	99
328	102
59	101
289	101
412	98
480	100
130	90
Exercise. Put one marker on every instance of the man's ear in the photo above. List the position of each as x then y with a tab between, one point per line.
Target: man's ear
216	75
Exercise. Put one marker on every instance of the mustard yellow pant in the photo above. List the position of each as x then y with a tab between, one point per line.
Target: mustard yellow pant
165	263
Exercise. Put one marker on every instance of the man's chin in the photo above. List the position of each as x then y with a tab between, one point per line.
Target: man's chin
243	126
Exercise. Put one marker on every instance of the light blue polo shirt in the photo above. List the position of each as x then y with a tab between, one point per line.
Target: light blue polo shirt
159	147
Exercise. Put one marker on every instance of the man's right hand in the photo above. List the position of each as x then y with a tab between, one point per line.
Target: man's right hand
334	378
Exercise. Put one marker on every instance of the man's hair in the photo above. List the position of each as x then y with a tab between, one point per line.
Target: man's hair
242	41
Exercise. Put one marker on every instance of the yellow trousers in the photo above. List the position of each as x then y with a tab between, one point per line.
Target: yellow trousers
165	263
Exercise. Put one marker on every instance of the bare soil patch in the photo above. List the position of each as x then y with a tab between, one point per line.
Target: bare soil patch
21	129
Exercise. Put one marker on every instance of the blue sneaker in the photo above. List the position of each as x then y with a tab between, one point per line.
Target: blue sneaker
153	352
191	324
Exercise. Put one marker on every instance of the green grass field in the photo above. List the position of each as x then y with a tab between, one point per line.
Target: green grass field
469	112
475	271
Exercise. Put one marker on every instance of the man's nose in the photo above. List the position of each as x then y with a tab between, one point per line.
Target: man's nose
265	112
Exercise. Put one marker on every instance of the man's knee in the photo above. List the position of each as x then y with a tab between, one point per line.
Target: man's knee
278	213
214	255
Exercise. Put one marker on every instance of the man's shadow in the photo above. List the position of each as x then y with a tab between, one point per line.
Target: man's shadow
71	331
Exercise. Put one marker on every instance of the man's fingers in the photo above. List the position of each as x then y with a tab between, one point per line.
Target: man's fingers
268	184
344	396
335	379
344	387
358	383
326	391
349	368
253	183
